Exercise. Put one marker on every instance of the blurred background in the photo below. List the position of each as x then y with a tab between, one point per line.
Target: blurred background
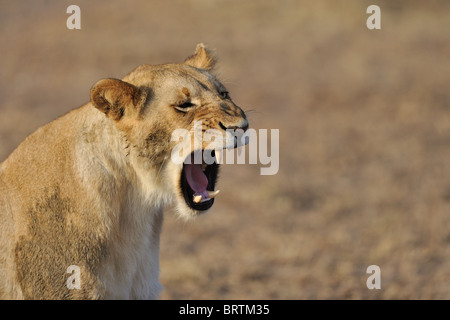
363	117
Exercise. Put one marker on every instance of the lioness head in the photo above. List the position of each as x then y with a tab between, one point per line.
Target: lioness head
152	105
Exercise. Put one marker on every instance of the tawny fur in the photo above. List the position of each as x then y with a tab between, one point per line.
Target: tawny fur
89	188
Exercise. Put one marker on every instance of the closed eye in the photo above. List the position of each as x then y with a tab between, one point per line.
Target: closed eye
184	106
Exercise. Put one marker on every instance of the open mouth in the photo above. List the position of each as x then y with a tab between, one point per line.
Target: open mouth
198	181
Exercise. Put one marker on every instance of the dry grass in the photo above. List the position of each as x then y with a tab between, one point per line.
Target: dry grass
364	122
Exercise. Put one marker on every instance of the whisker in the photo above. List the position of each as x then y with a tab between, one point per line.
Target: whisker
159	171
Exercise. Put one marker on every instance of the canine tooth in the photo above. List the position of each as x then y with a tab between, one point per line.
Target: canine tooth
212	194
197	198
218	156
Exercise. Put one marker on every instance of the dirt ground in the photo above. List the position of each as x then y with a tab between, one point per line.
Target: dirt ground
364	135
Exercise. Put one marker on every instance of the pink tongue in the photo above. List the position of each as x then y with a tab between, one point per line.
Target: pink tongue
196	178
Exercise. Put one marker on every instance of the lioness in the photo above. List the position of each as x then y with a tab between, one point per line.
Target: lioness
87	191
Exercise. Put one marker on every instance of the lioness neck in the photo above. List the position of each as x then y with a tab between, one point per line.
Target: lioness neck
131	208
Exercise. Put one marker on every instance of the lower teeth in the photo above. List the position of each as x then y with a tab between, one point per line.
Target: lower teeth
198	198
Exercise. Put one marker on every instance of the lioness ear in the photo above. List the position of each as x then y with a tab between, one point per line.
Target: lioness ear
116	97
203	58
